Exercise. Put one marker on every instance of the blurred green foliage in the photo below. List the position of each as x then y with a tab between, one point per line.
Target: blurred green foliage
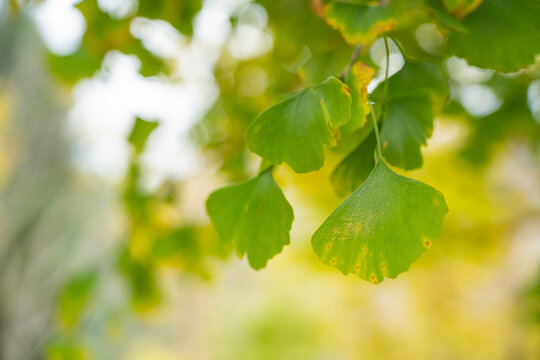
75	296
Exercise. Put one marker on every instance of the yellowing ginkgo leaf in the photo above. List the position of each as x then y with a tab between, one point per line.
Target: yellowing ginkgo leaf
358	78
382	228
359	24
363	23
296	130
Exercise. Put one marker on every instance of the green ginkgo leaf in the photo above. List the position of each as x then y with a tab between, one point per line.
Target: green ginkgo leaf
415	95
295	130
503	35
382	228
354	169
253	216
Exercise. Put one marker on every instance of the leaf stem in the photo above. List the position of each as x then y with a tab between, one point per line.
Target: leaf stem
372	110
386	70
376	130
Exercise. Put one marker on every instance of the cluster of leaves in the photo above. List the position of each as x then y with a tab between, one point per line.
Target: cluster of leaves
388	220
320	67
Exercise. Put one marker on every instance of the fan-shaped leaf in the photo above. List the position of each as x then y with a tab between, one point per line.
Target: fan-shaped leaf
362	24
359	24
382	228
254	216
295	130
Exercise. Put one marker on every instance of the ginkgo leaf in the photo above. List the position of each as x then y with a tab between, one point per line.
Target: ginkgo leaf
354	169
382	228
295	130
254	216
362	23
415	95
357	79
503	35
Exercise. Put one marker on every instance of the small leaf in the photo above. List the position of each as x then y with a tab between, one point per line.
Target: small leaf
74	297
357	79
140	133
295	130
415	95
254	216
504	35
354	169
359	24
382	228
362	24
